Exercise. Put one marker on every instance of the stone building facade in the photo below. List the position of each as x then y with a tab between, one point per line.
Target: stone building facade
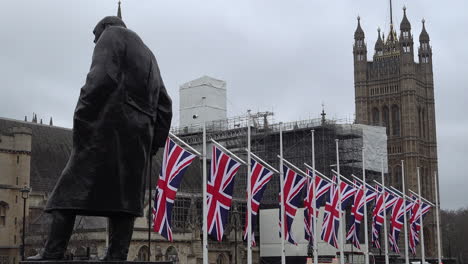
395	91
15	155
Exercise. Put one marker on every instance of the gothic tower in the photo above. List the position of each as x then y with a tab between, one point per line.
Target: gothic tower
395	91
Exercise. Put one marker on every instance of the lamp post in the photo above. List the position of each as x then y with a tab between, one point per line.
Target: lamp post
25	195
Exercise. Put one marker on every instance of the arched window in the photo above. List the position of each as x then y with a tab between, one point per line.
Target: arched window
3	210
395	120
375	116
221	259
143	254
172	255
423	122
397	179
386	118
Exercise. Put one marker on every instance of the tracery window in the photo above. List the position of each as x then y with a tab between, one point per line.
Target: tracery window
375	116
172	255
143	254
386	118
3	209
395	120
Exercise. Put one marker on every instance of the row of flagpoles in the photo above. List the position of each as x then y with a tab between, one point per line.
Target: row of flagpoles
218	190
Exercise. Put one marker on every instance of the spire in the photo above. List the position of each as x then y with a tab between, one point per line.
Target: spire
424	37
51	123
405	24
359	33
119	11
391	14
379	42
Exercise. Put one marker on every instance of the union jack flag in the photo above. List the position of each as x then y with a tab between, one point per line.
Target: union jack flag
219	191
322	188
415	222
259	177
175	162
357	213
293	184
396	224
378	215
331	220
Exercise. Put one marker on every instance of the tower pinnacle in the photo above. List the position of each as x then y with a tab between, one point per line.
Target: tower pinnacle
119	11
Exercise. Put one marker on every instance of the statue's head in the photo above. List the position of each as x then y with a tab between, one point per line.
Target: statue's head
105	23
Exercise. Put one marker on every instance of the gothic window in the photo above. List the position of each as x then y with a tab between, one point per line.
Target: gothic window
172	255
397	181
425	46
180	212
405	34
221	259
3	209
395	120
386	118
375	116
143	254
360	43
423	123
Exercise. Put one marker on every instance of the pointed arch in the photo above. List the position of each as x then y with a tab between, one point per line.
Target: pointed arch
386	118
143	253
396	120
221	259
172	255
375	116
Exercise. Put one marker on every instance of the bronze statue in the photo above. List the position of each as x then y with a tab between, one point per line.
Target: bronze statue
122	117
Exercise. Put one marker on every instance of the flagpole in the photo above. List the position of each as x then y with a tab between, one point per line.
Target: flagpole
205	209
339	204
423	257
283	256
436	185
366	238
404	215
314	201
249	197
385	215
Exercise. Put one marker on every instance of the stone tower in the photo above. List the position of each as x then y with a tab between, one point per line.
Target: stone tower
15	158
395	91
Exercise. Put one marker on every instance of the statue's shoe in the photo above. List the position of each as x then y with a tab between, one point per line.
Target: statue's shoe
44	256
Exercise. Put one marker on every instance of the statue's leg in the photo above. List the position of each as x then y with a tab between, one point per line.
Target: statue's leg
60	232
120	235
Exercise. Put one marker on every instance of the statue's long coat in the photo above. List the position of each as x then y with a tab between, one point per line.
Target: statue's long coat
122	116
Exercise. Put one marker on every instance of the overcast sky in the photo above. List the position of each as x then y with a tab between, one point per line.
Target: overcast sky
275	55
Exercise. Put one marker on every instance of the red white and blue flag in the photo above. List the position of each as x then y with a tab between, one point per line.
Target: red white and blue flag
311	212
293	183
378	213
175	162
415	223
219	191
357	212
396	223
259	177
331	220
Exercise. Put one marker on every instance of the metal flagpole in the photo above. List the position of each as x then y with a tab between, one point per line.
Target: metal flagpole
404	215
314	201
340	229
366	237
283	256
436	185
423	257
385	216
205	209
150	210
249	197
